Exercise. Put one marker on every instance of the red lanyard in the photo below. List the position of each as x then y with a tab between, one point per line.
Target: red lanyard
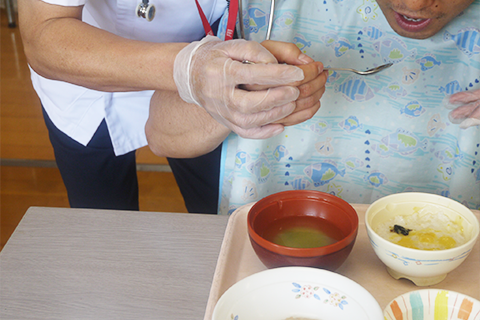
232	19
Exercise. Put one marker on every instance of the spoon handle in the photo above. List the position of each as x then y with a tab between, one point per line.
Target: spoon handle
340	69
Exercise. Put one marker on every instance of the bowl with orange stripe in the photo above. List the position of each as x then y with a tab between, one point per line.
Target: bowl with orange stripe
430	304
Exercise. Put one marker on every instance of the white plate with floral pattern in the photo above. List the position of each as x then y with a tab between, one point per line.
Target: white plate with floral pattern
297	293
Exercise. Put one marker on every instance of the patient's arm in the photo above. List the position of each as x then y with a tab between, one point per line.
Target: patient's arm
177	129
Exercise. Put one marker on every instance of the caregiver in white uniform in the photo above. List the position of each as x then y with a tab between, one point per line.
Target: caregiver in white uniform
95	65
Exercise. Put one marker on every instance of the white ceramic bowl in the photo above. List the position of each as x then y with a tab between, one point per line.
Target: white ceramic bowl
296	293
432	304
422	267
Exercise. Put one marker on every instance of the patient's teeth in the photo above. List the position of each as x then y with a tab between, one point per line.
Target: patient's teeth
411	19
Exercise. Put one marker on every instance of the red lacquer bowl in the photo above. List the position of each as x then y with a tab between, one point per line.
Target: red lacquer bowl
298	203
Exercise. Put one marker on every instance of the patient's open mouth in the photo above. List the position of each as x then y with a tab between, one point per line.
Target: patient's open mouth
411	24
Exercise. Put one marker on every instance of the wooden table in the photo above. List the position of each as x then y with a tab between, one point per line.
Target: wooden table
105	264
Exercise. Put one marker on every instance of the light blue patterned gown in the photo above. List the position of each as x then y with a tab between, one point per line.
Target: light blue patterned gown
374	135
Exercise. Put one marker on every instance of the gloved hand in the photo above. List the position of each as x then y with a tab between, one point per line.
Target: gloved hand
311	88
209	73
466	105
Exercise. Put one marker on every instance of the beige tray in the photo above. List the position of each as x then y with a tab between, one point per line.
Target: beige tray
237	260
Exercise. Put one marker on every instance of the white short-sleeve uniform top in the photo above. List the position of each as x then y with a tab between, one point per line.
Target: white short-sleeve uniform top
78	111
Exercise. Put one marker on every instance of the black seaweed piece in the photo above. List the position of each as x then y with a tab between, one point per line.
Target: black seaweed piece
400	230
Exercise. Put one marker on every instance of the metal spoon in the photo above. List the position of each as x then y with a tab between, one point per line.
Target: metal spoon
270	20
366	72
363	73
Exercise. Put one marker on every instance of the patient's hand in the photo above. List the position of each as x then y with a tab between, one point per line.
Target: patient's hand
311	87
466	105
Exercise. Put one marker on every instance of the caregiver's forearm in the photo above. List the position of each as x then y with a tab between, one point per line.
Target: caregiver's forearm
59	46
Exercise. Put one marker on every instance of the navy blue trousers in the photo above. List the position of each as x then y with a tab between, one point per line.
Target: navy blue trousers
95	178
198	180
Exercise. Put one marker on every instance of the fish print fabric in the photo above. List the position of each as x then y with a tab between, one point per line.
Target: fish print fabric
373	135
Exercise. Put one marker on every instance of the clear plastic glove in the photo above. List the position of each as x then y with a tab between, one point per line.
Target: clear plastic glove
466	108
210	73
